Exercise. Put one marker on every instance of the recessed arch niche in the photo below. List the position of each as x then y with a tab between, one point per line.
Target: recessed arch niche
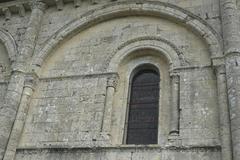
132	63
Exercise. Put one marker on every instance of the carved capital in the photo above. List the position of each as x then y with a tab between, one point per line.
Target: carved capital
19	66
77	3
30	80
216	61
38	4
221	69
175	77
59	4
112	81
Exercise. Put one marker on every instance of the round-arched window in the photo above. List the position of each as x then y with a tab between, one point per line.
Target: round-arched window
142	121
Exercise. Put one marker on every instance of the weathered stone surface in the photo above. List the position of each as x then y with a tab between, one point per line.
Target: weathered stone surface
82	55
119	153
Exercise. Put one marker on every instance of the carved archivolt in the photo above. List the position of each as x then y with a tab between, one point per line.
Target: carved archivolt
174	56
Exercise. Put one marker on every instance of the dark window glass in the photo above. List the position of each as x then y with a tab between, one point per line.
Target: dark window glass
1	1
142	124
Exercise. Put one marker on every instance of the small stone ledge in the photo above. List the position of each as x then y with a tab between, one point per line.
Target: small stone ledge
51	149
107	74
195	67
3	82
94	75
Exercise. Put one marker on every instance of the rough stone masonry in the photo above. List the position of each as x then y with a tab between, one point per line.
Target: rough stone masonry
66	69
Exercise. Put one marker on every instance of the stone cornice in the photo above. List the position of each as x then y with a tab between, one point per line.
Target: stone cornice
21	6
14	7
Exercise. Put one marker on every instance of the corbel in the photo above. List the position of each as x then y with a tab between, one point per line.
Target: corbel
7	13
94	1
21	10
59	4
77	3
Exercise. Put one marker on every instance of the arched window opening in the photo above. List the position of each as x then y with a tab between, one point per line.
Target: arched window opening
142	122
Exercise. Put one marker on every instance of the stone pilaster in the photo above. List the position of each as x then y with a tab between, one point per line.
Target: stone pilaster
231	37
15	88
174	123
230	26
9	109
30	81
224	119
110	90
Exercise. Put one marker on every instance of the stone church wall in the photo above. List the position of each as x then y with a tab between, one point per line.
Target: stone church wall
69	111
126	153
64	117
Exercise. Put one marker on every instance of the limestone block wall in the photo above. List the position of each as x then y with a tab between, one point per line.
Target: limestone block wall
3	89
198	98
126	153
67	112
91	50
68	106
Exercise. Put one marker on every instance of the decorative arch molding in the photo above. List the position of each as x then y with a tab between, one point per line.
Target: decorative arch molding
132	8
9	42
174	56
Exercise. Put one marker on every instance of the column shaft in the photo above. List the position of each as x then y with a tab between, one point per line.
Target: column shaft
174	123
224	120
231	37
111	85
230	26
20	119
9	109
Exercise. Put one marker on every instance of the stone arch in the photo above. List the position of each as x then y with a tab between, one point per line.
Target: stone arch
124	63
9	42
174	56
126	8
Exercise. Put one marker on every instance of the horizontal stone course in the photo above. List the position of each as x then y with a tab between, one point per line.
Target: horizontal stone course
118	153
